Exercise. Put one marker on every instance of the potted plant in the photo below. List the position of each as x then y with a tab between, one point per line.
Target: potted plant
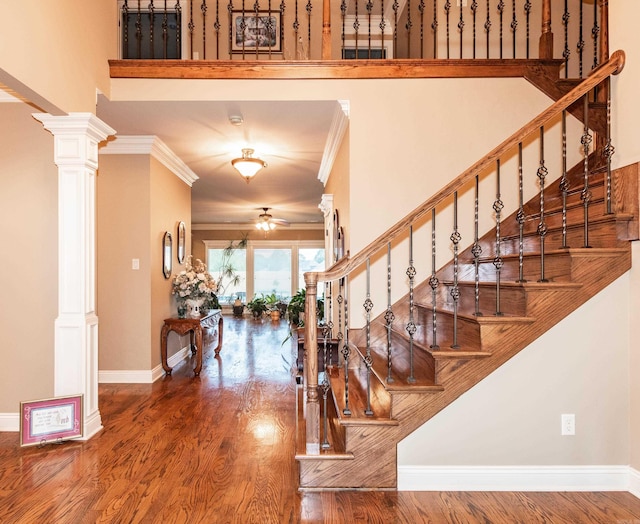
296	306
271	302
257	306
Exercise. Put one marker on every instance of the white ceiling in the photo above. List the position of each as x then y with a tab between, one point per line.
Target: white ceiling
290	136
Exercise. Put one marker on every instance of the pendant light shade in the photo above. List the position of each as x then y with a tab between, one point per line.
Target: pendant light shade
248	166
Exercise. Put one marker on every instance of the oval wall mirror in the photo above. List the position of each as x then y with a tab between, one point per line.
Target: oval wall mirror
167	253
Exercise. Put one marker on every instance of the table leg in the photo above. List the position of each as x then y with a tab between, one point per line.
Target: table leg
163	348
220	327
198	336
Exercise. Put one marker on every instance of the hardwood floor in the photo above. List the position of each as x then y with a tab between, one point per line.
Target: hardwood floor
219	449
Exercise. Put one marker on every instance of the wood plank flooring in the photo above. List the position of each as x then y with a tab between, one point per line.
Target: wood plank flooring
219	449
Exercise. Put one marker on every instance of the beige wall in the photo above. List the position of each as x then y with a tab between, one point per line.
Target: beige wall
624	15
138	200
170	204
59	50
338	186
29	276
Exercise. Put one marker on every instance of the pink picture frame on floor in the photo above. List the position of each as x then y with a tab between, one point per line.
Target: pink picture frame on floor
50	420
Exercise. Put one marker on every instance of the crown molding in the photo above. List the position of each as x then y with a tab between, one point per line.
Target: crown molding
150	145
252	226
334	140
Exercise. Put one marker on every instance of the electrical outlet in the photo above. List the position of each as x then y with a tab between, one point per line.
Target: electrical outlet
135	263
568	424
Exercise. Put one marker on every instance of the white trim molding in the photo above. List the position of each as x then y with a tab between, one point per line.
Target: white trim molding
10	422
142	376
153	146
516	478
634	482
334	140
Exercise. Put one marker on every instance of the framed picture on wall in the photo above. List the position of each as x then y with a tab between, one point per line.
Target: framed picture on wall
181	248
251	32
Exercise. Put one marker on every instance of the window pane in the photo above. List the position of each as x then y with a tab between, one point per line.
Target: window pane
310	259
272	272
229	268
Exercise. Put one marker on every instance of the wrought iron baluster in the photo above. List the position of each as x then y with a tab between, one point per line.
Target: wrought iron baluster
586	192
421	7
461	28
256	13
580	45
474	12
395	6
487	26
433	283
498	262
368	361
325	386
203	8
178	9
270	28
566	53
389	317
476	250
514	25
343	15
500	13
608	150
542	226
527	12
230	12
369	7
434	28
411	325
408	26
283	7
564	181
152	9
382	26
455	291
165	34
296	27
520	217
356	27
447	10
125	29
309	9
139	31
340	300
346	350
595	32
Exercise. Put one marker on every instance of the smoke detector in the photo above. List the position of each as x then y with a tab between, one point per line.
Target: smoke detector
236	120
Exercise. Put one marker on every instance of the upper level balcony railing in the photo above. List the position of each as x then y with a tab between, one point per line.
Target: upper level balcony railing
323	30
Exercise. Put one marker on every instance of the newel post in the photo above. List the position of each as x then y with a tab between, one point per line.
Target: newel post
312	411
326	30
546	38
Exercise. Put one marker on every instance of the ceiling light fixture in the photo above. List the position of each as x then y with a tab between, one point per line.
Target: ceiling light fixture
248	166
265	226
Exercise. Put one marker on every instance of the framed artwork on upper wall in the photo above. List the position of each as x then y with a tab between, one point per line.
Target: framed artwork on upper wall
181	248
253	32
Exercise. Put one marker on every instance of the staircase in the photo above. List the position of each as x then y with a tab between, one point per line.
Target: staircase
488	304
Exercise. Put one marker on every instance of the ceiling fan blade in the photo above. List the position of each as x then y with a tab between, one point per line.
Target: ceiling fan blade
280	222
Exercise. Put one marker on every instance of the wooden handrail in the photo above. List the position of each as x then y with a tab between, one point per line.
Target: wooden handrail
613	66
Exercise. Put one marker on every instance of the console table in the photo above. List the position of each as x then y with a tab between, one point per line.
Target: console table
195	327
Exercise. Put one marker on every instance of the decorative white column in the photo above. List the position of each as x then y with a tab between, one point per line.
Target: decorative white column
76	139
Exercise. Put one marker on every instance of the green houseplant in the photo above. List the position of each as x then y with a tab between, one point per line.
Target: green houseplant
257	306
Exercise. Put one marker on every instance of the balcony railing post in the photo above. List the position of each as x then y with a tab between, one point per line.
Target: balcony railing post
326	29
546	38
311	366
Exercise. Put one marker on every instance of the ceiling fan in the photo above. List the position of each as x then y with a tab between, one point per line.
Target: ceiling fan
266	222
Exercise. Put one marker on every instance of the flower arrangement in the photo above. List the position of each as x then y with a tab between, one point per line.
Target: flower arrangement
195	283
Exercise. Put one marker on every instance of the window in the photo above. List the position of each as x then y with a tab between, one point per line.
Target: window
263	267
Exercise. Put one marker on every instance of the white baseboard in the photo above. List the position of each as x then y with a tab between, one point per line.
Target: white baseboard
516	478
141	376
9	422
634	482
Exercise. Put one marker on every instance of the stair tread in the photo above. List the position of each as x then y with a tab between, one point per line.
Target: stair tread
357	401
